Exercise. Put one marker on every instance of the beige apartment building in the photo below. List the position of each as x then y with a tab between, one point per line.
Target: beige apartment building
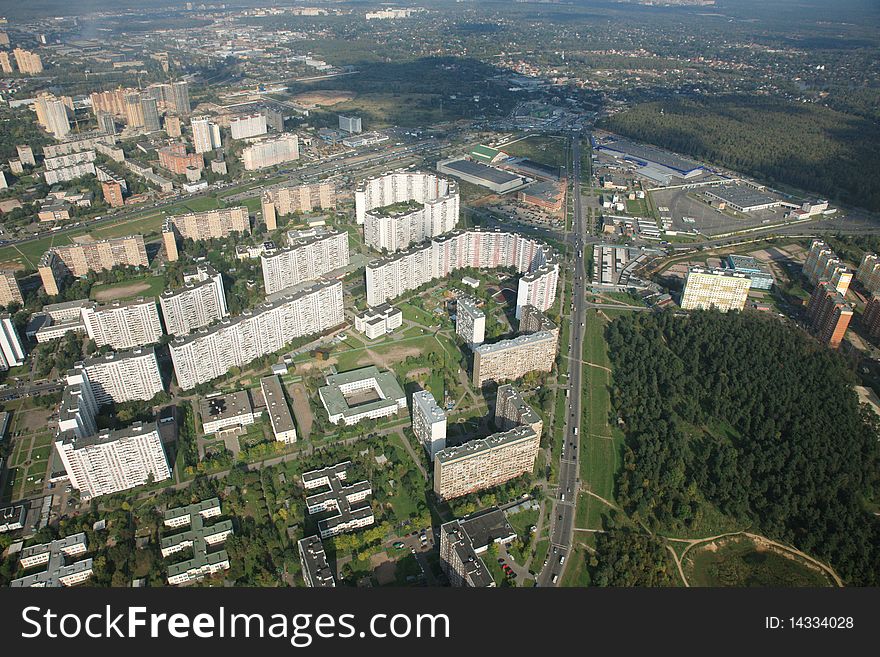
301	198
485	462
203	226
79	259
722	289
511	359
10	292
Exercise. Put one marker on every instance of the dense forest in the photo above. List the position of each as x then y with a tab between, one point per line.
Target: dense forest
741	413
629	557
808	146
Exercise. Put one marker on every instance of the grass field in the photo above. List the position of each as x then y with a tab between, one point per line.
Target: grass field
576	573
129	289
601	444
551	151
739	562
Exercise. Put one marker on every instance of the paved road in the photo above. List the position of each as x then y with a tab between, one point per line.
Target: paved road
563	512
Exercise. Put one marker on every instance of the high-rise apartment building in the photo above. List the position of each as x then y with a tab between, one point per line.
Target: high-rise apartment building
350	124
470	321
5	62
124	324
823	265
428	422
721	289
111	102
513	358
271	151
206	134
200	302
124	376
463	541
180	97
393	275
79	259
829	314
26	155
511	410
485	462
404	208
172	126
106	123
245	127
211	352
210	224
134	109
52	115
871	316
12	352
112	191
29	63
868	273
309	255
300	198
537	288
10	292
150	108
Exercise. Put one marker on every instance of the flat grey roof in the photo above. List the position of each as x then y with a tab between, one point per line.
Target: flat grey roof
742	195
483	171
314	561
474	572
487	526
472	447
335	401
646	153
224	407
276	404
528	338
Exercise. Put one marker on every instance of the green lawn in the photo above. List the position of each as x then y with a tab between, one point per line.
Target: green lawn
418	315
156	286
551	151
576	573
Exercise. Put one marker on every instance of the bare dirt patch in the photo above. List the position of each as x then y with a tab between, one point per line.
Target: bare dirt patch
323	97
301	410
120	292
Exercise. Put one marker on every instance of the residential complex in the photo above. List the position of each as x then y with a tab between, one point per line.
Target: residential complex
309	255
378	320
280	416
511	410
124	324
199	538
511	359
79	259
124	376
315	568
28	62
282	201
200	302
52	115
362	394
12	350
211	352
470	322
218	223
352	509
463	541
404	208
721	289
829	314
10	292
104	462
428	422
175	159
485	462
868	273
12	518
206	134
391	276
871	316
62	558
823	265
271	151
245	127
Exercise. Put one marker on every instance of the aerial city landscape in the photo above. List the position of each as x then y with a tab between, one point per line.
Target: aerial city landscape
468	294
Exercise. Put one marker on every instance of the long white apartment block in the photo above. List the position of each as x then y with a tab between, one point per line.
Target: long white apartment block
309	255
245	127
12	352
124	376
200	302
271	151
211	352
391	276
124	324
405	207
428	422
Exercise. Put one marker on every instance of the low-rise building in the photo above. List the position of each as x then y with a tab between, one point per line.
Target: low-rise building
198	538
220	412
280	417
365	393
61	558
353	510
315	568
463	541
377	321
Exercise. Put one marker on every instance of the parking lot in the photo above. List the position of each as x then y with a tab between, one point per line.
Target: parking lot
682	205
